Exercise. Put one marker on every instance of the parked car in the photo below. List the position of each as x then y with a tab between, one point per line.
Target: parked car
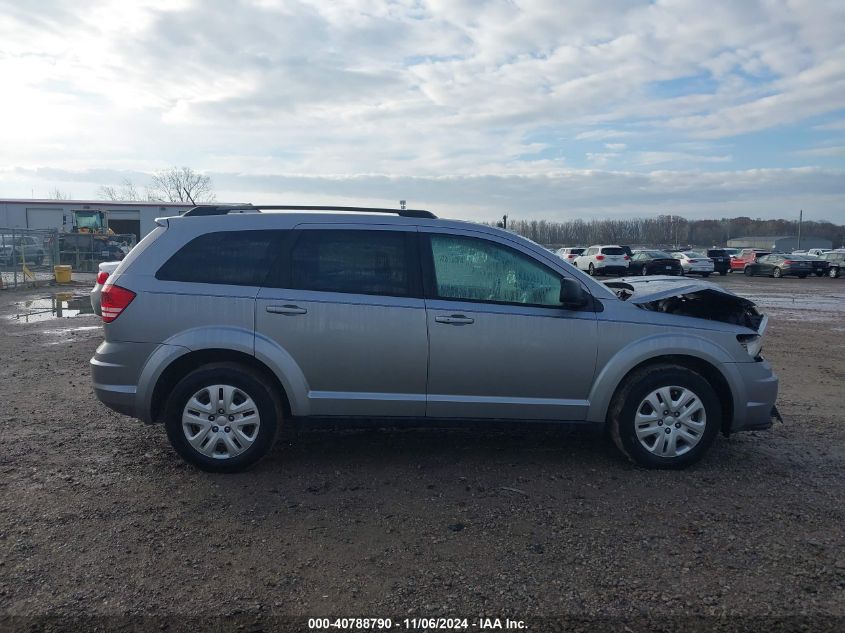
226	328
721	260
780	265
15	247
747	256
732	252
835	263
569	253
601	260
694	263
104	270
818	252
819	264
654	263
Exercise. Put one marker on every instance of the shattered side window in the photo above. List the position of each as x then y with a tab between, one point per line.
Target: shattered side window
480	270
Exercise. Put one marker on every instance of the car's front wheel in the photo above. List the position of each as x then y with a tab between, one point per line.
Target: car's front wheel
833	273
222	417
665	416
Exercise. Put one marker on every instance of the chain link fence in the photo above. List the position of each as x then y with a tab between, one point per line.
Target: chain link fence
27	256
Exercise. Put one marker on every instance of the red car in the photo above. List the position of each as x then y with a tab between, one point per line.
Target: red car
747	256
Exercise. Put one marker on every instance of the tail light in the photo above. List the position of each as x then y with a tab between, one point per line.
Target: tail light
788	262
600	257
101	277
625	258
113	302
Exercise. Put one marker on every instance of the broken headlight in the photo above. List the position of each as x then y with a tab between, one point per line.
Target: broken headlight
751	343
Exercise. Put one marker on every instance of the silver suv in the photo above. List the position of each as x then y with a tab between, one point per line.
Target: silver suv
229	325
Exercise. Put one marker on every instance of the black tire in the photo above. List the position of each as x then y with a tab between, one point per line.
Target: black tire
833	273
644	271
802	276
592	270
266	399
631	393
723	272
777	273
748	272
705	274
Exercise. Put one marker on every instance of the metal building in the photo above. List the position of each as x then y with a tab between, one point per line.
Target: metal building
784	244
137	218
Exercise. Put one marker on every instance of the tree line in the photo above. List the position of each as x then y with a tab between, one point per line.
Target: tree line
667	230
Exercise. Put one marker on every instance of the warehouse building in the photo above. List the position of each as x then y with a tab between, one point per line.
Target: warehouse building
137	218
782	244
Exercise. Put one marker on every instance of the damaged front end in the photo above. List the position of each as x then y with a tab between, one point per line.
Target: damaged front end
693	298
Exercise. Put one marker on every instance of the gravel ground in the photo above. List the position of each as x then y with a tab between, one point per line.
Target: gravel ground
99	517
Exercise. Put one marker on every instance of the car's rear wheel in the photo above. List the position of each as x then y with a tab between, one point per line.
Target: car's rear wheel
833	273
592	270
222	417
748	272
665	416
705	274
644	271
777	273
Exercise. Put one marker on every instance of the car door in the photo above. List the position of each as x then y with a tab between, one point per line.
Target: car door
346	315
500	343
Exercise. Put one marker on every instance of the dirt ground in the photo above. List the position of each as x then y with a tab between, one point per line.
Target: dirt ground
98	516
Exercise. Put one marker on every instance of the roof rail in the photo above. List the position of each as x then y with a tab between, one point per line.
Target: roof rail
225	209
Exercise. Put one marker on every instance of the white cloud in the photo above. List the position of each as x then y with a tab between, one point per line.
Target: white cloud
418	91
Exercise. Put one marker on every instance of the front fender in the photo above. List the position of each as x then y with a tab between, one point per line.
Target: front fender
619	364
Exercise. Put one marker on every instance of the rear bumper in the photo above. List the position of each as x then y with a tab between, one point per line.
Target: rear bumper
612	269
761	391
115	370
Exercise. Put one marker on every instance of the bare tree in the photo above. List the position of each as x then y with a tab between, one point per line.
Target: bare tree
58	194
180	184
124	191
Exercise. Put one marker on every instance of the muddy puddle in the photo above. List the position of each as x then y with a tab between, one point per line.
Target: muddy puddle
61	305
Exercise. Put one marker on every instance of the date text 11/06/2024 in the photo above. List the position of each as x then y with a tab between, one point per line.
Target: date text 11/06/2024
376	624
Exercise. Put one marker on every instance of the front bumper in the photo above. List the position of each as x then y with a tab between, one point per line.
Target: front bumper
761	391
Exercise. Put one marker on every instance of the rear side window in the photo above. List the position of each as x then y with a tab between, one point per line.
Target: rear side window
235	258
613	250
360	262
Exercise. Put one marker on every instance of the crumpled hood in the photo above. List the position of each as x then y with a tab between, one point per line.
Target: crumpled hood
646	289
688	297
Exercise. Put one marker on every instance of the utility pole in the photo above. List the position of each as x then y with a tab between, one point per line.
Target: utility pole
800	220
505	221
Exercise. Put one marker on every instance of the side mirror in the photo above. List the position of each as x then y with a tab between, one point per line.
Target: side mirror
572	295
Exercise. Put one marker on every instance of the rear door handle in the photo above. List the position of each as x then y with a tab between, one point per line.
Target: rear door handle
286	309
455	319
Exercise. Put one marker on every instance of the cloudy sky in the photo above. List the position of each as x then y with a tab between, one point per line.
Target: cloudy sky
540	108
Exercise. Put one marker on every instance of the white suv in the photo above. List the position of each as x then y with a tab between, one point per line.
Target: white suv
603	259
570	253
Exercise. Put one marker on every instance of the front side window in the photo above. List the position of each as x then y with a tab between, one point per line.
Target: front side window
237	258
474	269
353	261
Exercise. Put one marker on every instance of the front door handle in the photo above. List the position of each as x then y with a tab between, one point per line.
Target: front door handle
455	319
286	309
